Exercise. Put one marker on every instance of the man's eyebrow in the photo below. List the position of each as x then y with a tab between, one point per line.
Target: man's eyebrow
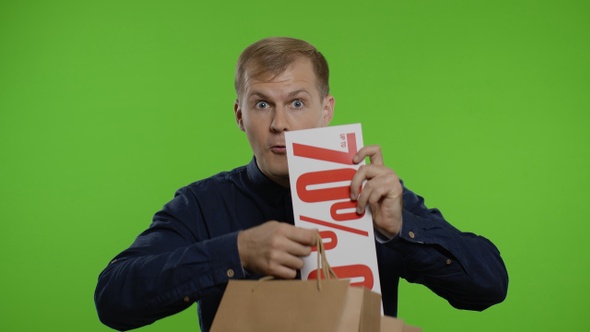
296	92
258	95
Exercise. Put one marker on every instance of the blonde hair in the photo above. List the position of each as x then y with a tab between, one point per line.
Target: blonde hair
273	55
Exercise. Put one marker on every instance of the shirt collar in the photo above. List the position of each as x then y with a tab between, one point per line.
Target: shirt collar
268	189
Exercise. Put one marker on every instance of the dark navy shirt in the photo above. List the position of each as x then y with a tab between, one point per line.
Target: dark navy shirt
189	253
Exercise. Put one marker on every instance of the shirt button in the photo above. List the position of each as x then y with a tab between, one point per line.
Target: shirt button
230	273
411	234
187	299
448	261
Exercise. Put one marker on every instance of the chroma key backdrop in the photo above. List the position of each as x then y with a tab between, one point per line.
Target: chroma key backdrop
108	107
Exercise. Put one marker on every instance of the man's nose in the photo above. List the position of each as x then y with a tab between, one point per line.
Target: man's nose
279	121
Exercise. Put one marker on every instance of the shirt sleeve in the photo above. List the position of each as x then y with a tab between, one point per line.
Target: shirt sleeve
465	269
167	268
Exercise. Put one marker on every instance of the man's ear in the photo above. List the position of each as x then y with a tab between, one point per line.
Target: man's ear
238	115
328	112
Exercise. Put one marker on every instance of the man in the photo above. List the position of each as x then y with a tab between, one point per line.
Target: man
239	224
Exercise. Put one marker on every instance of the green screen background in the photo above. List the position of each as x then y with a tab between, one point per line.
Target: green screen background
108	107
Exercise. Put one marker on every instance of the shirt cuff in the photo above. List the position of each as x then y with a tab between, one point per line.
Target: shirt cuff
379	237
227	263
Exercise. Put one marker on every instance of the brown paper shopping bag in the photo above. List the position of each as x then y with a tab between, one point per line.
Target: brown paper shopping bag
390	324
293	305
282	305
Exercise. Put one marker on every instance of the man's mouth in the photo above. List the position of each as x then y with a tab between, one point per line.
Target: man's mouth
279	149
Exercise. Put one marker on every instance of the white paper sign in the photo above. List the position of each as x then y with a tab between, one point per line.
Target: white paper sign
320	173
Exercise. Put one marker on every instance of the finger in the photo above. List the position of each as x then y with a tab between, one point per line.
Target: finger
284	265
366	172
362	199
291	262
281	271
372	151
297	249
356	183
381	182
302	236
373	194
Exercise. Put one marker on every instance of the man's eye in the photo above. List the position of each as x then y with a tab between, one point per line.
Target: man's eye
297	103
261	104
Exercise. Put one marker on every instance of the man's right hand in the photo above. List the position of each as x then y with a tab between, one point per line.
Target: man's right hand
275	248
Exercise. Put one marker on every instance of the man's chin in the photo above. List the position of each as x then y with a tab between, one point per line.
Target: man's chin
279	176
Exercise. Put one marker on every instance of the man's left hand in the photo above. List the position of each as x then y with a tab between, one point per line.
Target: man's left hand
382	191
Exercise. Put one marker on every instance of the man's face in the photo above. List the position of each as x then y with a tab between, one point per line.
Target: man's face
269	106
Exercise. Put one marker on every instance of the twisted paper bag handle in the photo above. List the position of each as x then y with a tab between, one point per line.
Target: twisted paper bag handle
324	269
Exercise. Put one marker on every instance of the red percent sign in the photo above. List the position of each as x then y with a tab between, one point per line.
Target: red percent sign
331	194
